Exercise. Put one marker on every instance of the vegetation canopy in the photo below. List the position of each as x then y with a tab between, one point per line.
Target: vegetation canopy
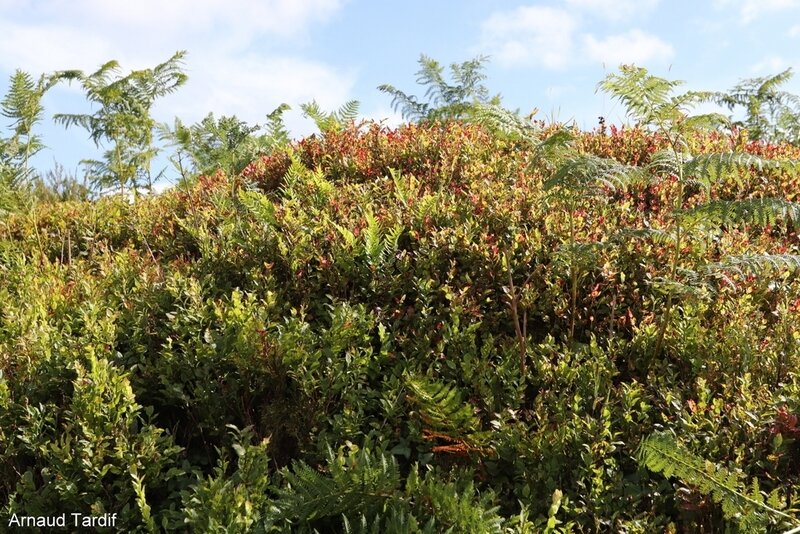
474	322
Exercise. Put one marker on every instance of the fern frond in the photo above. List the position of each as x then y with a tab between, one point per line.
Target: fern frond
756	263
330	121
713	167
275	127
442	407
392	239
393	520
456	505
410	107
508	122
666	162
312	111
468	76
359	482
707	121
348	112
771	113
580	172
349	237
445	101
759	212
646	97
260	206
373	239
431	74
364	489
661	453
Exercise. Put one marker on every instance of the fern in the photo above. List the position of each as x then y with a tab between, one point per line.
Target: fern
757	212
747	505
123	118
507	122
668	162
445	101
394	521
363	491
443	410
575	180
359	483
334	120
772	114
707	168
392	239
373	239
586	172
23	105
756	263
275	127
650	101
456	505
260	206
649	98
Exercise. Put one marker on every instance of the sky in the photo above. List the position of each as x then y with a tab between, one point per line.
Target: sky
245	57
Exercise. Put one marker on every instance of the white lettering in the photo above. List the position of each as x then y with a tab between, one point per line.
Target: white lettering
37	521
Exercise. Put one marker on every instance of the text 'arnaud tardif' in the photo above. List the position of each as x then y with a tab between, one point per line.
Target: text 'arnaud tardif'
63	520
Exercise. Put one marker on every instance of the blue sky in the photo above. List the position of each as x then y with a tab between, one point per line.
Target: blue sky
245	57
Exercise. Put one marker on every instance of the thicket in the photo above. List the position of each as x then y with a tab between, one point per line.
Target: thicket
472	323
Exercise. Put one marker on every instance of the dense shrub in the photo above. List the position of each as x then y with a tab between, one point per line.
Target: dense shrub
415	329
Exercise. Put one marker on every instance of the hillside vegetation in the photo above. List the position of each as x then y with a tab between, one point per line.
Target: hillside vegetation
475	322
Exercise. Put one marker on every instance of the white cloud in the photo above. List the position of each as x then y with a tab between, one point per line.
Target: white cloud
251	86
770	65
48	47
156	19
794	31
529	35
614	10
634	46
750	10
83	33
231	68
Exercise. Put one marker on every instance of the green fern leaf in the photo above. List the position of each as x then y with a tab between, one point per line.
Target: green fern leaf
373	239
756	263
661	453
581	172
443	409
259	206
275	126
758	212
715	167
509	123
